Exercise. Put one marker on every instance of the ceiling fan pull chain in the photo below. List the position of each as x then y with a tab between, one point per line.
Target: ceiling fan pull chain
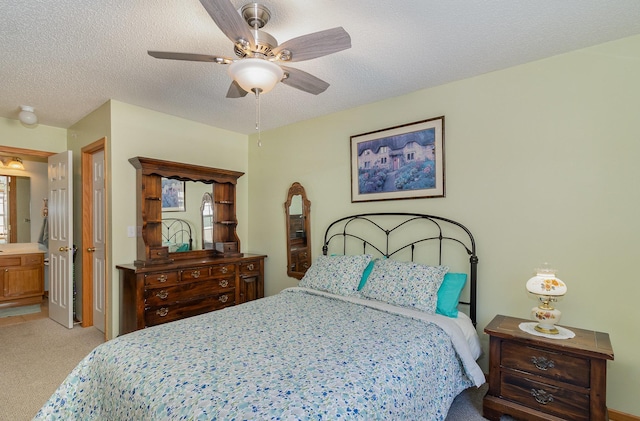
258	117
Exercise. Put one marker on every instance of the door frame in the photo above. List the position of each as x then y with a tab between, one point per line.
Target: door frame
87	230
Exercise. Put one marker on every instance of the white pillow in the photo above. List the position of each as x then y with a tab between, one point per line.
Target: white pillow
405	284
336	274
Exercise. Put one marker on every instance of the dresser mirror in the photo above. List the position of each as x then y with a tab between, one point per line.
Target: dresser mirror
298	222
220	184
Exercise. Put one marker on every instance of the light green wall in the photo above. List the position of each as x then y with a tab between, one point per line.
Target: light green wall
137	131
39	138
541	165
91	128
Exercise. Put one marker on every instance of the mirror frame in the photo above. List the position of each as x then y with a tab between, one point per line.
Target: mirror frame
297	189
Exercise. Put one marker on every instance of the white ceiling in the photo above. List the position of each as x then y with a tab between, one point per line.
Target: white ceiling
68	57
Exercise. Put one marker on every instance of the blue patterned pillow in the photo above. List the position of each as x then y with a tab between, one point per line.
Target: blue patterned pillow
405	284
336	274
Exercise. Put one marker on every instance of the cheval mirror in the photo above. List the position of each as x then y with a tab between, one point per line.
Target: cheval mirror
298	214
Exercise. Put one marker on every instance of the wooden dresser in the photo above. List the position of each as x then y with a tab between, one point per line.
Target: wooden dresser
158	294
535	378
21	279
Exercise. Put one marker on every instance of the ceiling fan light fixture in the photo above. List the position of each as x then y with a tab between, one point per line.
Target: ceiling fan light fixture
255	74
27	115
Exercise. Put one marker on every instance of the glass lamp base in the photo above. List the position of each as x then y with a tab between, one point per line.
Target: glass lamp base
547	317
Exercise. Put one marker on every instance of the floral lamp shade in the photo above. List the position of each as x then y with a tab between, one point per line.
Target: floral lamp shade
548	288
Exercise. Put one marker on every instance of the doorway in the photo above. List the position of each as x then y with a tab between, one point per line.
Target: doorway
95	272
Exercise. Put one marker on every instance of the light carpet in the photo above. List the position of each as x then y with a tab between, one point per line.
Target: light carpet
35	357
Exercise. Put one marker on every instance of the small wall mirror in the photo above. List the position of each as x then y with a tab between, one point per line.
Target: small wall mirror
298	221
206	211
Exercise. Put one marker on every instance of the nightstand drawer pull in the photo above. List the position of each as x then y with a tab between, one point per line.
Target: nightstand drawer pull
162	278
541	396
542	363
195	274
224	298
223	283
162	312
162	294
224	269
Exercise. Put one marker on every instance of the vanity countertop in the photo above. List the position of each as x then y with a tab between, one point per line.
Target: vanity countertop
21	248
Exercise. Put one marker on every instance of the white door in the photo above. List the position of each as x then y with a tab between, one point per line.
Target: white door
61	238
97	249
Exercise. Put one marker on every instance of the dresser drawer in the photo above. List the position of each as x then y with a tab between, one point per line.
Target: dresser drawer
223	270
553	400
250	268
195	274
187	291
160	278
155	315
546	363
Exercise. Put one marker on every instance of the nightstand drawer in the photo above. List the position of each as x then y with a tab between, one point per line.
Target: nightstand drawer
553	400
545	363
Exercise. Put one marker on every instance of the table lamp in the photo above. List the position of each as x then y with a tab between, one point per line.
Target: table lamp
548	288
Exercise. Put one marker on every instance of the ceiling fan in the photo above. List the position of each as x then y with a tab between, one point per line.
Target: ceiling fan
257	68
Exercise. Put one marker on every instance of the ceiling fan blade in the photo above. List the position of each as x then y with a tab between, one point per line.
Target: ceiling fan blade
304	81
235	91
316	44
189	57
225	15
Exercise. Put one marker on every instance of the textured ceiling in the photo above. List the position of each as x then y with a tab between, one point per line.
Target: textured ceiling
68	57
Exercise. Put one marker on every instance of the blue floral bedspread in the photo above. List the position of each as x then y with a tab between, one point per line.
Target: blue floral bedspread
292	356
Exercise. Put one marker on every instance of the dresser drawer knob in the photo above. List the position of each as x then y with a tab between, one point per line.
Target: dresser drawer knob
541	396
224	298
162	278
195	274
250	266
542	363
223	283
162	294
224	269
162	312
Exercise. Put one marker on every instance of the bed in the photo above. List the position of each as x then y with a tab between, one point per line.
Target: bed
354	340
177	235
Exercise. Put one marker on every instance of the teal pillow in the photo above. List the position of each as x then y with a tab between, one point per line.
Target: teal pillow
365	274
449	294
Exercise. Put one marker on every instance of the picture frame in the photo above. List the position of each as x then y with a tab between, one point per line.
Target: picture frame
173	195
401	162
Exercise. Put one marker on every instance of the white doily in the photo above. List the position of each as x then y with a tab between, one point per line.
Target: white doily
564	333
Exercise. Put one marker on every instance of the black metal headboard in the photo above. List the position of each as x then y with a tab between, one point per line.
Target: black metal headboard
375	233
177	231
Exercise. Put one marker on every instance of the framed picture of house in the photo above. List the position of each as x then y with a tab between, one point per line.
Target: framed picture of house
402	162
173	195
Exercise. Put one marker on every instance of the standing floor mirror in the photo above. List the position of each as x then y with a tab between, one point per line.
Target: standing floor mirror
298	213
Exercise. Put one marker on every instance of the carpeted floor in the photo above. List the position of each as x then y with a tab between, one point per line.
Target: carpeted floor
37	355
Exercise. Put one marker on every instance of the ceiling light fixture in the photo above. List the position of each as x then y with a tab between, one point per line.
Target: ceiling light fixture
27	115
15	164
256	75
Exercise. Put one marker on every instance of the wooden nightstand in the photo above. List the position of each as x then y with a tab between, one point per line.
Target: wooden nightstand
535	378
